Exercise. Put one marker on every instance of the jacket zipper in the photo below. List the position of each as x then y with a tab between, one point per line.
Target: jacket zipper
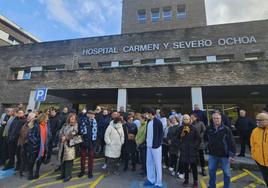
263	140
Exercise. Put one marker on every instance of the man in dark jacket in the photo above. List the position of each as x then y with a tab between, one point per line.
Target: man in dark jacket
102	126
244	126
13	136
55	125
154	138
3	122
88	130
221	146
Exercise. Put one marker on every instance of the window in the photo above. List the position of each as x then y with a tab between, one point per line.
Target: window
84	65
181	11
142	16
167	13
54	67
14	40
125	63
21	73
148	61
198	58
227	57
155	14
172	60
254	56
104	64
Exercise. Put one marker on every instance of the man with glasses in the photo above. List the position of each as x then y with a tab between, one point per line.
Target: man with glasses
259	144
221	148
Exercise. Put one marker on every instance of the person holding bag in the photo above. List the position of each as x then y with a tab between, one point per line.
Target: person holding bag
66	153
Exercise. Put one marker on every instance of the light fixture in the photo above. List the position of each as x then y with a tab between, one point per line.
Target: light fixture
255	93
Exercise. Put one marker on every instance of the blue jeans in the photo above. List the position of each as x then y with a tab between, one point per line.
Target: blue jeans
213	163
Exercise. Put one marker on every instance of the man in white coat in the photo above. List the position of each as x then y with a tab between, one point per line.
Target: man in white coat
154	138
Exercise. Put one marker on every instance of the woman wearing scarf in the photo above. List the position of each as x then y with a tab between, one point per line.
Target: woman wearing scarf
189	140
38	145
67	153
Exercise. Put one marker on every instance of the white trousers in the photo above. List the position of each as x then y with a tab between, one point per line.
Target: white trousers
154	165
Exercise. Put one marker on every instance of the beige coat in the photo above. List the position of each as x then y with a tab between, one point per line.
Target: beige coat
114	139
67	153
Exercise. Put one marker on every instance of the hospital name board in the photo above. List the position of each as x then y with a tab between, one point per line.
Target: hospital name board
175	45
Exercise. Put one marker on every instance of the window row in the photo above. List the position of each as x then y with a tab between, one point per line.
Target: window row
25	73
166	14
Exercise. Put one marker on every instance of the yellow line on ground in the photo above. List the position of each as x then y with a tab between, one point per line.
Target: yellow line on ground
41	177
56	175
203	184
79	185
220	184
252	185
95	160
61	181
254	176
97	181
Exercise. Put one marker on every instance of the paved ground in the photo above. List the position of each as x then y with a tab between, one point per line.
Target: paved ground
240	178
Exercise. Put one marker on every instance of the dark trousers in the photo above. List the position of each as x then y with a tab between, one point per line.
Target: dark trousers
202	158
143	150
165	149
180	167
12	151
264	171
131	156
244	140
4	150
23	157
173	158
112	165
84	152
66	168
37	169
194	171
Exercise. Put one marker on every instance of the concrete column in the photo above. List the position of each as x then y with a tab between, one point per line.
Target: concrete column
122	99
197	97
32	104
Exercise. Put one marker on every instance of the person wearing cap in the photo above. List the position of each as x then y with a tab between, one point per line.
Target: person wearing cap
259	144
87	127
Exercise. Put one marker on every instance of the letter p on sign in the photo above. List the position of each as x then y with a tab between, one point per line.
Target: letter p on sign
40	94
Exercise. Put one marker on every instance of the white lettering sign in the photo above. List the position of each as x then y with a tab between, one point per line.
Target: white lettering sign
175	45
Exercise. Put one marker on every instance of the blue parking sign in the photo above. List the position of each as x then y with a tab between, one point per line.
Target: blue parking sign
40	94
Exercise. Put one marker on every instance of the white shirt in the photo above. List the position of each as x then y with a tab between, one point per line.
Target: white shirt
150	134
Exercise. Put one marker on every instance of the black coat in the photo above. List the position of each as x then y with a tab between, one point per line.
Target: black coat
244	125
14	129
189	145
55	124
34	142
130	145
103	123
172	136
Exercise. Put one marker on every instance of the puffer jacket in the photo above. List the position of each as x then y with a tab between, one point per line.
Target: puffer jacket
114	138
67	153
201	128
259	145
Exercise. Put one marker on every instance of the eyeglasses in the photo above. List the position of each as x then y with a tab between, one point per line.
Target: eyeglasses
261	120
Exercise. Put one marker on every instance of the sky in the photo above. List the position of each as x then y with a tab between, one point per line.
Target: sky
50	20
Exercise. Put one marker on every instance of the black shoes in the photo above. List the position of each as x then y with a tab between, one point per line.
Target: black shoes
61	177
81	174
90	175
67	179
204	172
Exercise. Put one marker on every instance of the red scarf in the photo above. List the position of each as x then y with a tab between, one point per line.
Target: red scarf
43	134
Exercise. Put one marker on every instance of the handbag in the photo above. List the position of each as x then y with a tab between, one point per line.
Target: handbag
77	139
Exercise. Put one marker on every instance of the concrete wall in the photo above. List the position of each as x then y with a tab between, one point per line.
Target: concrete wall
69	52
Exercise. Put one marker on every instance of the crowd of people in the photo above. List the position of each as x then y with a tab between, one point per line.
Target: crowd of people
152	139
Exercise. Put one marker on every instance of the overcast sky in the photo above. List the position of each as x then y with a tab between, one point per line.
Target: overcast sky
64	19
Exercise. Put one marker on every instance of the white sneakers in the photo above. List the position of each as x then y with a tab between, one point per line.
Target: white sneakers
181	176
164	166
171	169
104	166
